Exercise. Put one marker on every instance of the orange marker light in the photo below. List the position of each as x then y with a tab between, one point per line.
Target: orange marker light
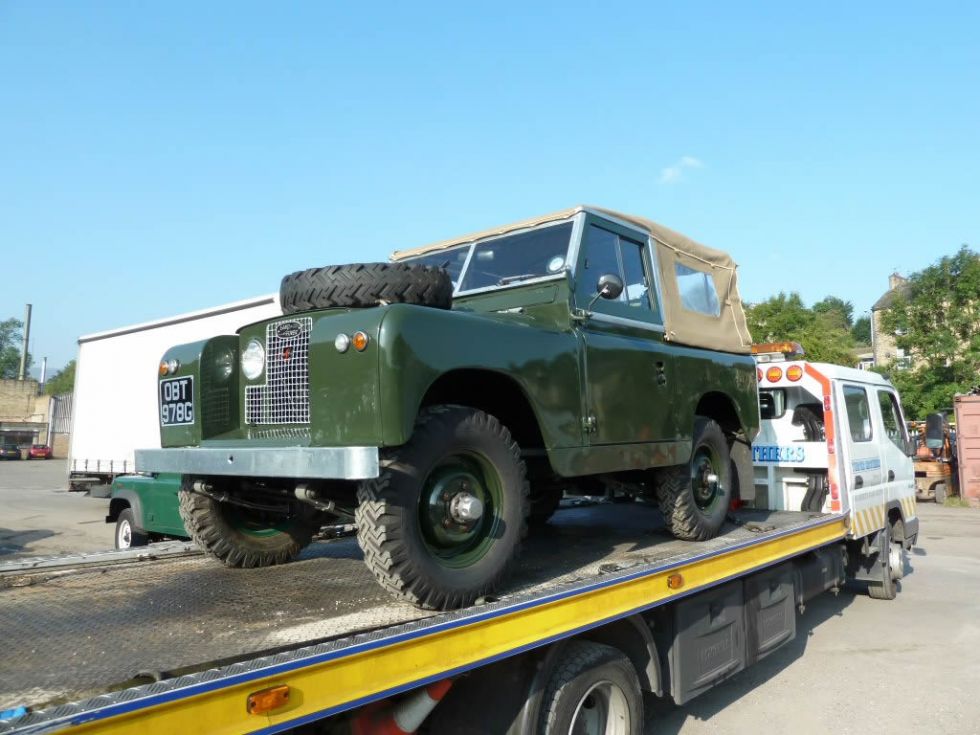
794	372
675	581
164	368
360	341
266	700
774	374
758	374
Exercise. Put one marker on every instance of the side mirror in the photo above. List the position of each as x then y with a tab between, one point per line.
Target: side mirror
935	430
911	447
610	286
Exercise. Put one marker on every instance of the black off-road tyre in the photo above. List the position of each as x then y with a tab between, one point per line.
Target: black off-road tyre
220	530
363	285
584	670
389	510
685	518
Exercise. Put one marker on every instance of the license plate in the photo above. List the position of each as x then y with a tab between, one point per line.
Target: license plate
177	401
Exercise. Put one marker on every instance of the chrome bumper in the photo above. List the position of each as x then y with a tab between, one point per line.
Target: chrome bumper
338	463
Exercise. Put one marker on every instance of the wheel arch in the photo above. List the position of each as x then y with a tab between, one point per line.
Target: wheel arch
721	408
632	637
122	500
493	392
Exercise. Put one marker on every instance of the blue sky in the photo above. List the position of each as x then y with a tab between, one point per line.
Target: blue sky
159	161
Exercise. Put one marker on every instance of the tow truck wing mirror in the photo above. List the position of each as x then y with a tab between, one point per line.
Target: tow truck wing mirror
935	430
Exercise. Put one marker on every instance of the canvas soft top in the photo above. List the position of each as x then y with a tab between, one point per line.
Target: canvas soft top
728	331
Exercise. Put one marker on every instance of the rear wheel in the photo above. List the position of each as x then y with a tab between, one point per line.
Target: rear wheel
694	498
443	522
242	537
593	691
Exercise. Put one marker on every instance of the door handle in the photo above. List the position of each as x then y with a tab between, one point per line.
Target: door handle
858	481
891	475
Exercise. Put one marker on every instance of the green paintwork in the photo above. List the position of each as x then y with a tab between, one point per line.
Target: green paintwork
154	500
454	544
607	392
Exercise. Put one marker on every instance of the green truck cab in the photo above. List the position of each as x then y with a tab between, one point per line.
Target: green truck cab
448	397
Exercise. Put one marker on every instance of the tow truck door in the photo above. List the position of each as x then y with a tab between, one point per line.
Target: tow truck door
899	471
862	468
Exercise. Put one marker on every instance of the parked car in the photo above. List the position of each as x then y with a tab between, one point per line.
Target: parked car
9	451
447	398
40	451
144	509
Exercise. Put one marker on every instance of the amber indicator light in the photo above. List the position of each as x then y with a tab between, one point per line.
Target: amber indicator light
773	374
675	581
360	341
794	372
267	700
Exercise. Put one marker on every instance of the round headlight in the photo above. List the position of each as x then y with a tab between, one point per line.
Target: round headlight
253	359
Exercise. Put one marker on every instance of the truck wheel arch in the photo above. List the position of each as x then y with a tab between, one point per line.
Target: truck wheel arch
122	500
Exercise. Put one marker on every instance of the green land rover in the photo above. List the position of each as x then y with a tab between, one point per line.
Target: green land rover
450	396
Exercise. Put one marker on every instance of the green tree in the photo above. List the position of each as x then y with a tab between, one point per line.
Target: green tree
936	320
62	381
838	309
861	331
10	346
823	334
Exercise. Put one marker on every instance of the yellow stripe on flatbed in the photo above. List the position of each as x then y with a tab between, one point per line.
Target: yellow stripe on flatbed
335	684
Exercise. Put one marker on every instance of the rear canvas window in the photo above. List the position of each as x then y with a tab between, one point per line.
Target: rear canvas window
697	290
858	414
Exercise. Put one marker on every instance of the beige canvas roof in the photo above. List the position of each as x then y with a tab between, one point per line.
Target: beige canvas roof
728	331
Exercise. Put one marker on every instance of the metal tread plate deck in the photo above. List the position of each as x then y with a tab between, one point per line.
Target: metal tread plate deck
324	616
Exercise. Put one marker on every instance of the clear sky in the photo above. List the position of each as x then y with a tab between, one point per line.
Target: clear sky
156	161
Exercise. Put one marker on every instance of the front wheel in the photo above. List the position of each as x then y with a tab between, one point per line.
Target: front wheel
443	522
127	534
242	537
694	498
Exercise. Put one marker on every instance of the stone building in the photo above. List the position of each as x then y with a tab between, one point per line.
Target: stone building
883	343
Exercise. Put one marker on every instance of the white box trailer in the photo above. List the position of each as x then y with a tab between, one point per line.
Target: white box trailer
115	401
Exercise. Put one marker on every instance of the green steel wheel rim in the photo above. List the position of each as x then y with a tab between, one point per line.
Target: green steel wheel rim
705	464
452	543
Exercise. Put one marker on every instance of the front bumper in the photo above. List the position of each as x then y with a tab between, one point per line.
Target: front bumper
335	463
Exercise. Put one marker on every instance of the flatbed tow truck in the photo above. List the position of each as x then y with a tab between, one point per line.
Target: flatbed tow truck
603	604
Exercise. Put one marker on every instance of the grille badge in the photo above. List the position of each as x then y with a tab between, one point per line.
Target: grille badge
288	330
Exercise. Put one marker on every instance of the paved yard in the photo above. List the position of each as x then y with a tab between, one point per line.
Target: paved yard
38	516
857	665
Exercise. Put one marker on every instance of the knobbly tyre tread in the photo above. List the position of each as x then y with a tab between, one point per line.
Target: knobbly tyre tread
207	527
579	657
363	285
676	500
381	509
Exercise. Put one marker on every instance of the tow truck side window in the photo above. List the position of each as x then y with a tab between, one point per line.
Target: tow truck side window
858	413
891	417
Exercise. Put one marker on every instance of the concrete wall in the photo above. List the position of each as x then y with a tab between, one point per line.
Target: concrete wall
18	399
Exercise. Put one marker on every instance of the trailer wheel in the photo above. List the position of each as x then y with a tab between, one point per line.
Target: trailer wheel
694	497
594	690
443	522
885	588
127	534
362	285
241	537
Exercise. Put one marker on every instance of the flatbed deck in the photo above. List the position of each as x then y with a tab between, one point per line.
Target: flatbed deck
104	628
